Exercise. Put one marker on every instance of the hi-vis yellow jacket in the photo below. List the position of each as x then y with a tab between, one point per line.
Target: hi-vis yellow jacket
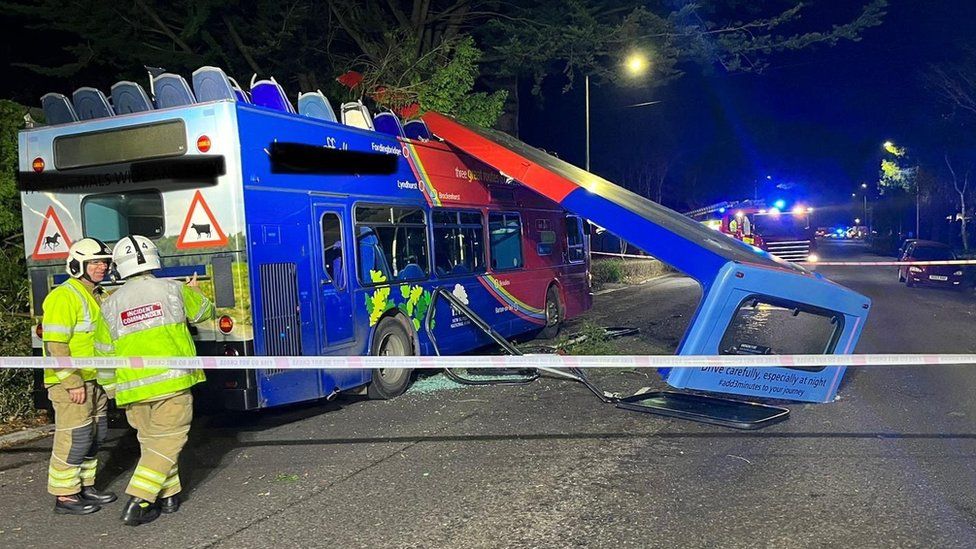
147	317
71	315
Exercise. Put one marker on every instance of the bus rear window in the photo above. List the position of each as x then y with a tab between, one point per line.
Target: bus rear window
109	217
763	326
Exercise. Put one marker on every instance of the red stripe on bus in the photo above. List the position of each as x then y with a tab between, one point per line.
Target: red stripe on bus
512	164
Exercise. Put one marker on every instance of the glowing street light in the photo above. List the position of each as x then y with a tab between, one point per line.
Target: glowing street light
636	65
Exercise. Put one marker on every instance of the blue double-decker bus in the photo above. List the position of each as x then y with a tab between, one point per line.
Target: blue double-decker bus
314	234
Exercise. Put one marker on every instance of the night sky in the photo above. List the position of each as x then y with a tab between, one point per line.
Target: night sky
814	121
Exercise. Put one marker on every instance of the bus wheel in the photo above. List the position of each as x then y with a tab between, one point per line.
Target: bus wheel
391	339
554	314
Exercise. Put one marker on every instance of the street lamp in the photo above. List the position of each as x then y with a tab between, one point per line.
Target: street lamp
636	65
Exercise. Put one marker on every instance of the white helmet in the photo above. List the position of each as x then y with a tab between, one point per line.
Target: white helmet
135	254
83	251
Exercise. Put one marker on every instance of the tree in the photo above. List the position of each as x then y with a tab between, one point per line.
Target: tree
594	36
314	40
899	177
116	39
11	121
962	190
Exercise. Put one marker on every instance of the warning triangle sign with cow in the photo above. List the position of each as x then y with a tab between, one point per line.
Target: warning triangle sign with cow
52	240
200	228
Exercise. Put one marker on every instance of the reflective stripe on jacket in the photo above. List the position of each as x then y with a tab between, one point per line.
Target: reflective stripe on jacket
147	317
71	316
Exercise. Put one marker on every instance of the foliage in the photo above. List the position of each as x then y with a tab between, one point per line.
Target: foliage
449	90
418	49
11	120
590	340
15	326
259	36
896	174
593	37
607	271
441	80
15	321
628	271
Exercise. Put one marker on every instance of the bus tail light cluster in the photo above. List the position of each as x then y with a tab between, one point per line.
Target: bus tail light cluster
39	331
225	324
38	164
203	143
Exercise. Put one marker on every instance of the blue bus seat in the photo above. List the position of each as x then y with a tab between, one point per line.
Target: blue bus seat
417	129
356	114
269	93
371	256
411	271
172	91
241	95
211	84
333	258
388	123
316	105
460	269
58	109
91	103
129	97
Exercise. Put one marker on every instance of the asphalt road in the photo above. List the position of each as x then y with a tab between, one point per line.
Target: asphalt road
889	464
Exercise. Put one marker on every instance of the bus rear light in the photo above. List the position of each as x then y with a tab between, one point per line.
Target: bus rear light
230	350
38	164
225	324
203	143
230	385
39	331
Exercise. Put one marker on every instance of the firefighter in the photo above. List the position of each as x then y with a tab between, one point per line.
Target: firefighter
148	317
71	314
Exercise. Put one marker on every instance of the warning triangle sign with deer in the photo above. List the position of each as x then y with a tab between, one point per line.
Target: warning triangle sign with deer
200	228
52	240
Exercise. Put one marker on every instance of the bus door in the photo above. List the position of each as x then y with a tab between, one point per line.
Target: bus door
335	325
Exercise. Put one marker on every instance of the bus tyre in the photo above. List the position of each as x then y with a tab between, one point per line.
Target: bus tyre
390	339
554	314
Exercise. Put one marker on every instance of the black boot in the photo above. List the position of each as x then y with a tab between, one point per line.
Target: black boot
89	493
75	506
170	504
139	511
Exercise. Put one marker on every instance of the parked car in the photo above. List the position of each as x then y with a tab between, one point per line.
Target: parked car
904	247
944	276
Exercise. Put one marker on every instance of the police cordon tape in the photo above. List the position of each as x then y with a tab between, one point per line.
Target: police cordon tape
488	362
837	263
890	263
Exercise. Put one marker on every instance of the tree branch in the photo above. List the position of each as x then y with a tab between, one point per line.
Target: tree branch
163	26
236	38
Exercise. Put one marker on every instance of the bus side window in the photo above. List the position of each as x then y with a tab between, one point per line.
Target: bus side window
458	242
391	244
574	239
332	249
506	241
